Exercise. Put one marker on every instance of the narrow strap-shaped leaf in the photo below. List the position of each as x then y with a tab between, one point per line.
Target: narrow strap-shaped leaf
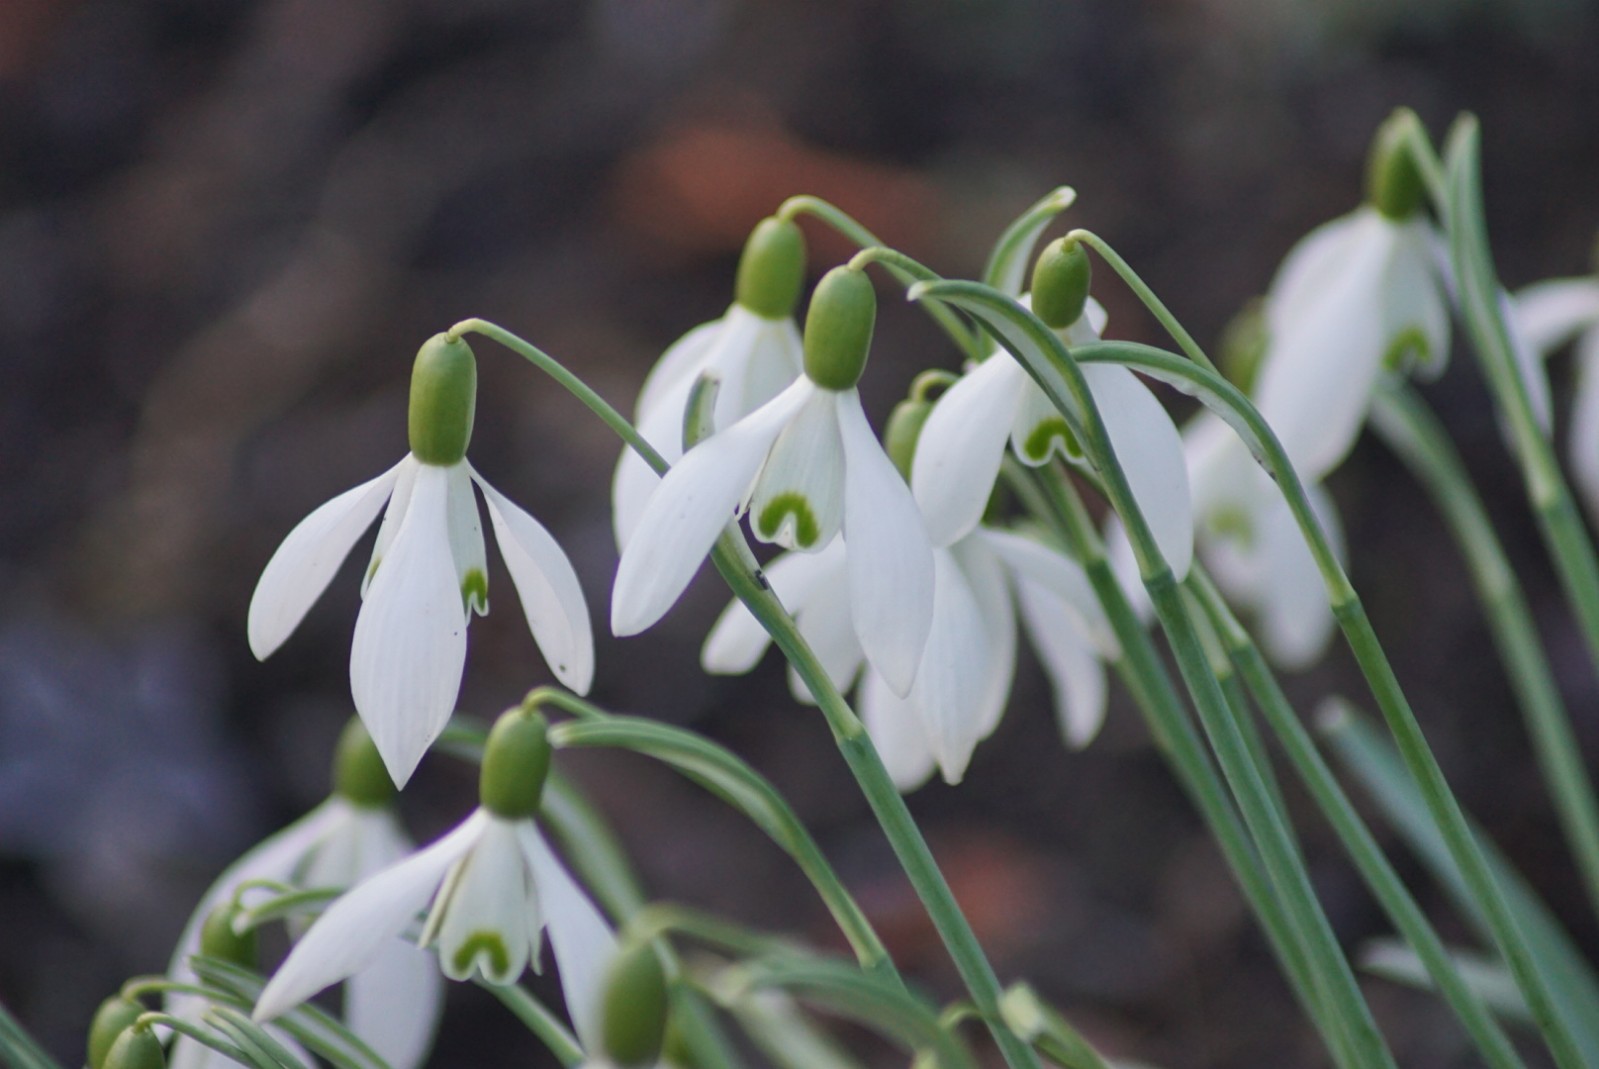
1007	264
1394	960
251	1037
21	1050
321	1033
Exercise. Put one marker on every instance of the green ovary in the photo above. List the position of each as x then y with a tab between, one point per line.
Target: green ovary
488	943
787	504
475	590
1041	438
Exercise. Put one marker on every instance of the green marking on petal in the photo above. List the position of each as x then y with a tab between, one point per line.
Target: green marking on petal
475	591
1408	349
1233	522
483	942
1042	438
770	521
372	569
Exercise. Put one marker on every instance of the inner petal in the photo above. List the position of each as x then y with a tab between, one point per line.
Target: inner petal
799	497
1040	429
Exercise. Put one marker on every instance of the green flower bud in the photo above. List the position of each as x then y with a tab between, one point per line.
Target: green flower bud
516	761
443	400
838	328
633	1007
675	1048
1243	344
219	940
359	775
771	271
1393	184
115	1015
1060	283
136	1048
904	431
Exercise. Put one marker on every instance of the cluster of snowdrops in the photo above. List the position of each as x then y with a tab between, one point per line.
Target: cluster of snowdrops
910	567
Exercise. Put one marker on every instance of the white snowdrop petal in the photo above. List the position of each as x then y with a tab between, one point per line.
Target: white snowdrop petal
1296	620
352	932
737	641
635	481
308	558
482	924
961	446
798	501
394	1004
1583	439
1552	313
552	599
1075	672
680	364
826	622
358	843
1314	264
890	562
950	684
1038	430
1416	292
895	728
466	540
1529	366
1063	577
580	936
399	501
757	359
694	503
985	577
410	638
1150	452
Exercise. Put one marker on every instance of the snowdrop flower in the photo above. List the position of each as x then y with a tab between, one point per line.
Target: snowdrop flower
806	467
1545	317
753	352
428	571
1361	295
1250	541
964	440
494	885
394	1003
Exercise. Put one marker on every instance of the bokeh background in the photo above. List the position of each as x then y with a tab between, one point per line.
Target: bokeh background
226	226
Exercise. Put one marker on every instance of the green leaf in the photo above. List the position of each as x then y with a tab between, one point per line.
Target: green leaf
321	1033
1041	1025
252	1038
18	1048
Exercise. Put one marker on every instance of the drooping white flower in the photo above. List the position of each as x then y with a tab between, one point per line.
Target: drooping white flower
1357	296
806	467
428	574
495	886
963	443
1544	317
961	690
394	1004
752	359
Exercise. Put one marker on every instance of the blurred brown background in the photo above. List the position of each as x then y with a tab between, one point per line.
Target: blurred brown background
226	226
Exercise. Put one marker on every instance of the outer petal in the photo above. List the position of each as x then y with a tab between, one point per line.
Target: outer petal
359	842
305	563
961	446
410	639
895	727
1583	445
579	934
353	931
826	621
1295	619
737	641
890	559
1150	451
395	1003
1061	577
1529	366
1068	657
1314	264
799	498
635	480
1039	431
985	576
481	921
773	363
954	675
552	599
688	511
1552	313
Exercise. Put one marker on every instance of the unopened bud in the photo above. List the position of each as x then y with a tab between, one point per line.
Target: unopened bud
219	939
1393	184
838	328
359	775
904	431
516	760
771	271
1060	283
136	1048
115	1015
443	400
633	1007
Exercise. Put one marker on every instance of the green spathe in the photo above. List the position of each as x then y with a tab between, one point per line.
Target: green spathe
443	400
1060	283
771	271
115	1015
633	1007
838	328
359	775
136	1048
516	761
1393	183
218	939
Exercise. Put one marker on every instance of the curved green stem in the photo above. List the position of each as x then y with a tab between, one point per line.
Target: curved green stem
1185	341
540	1020
1404	422
967	341
1362	847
